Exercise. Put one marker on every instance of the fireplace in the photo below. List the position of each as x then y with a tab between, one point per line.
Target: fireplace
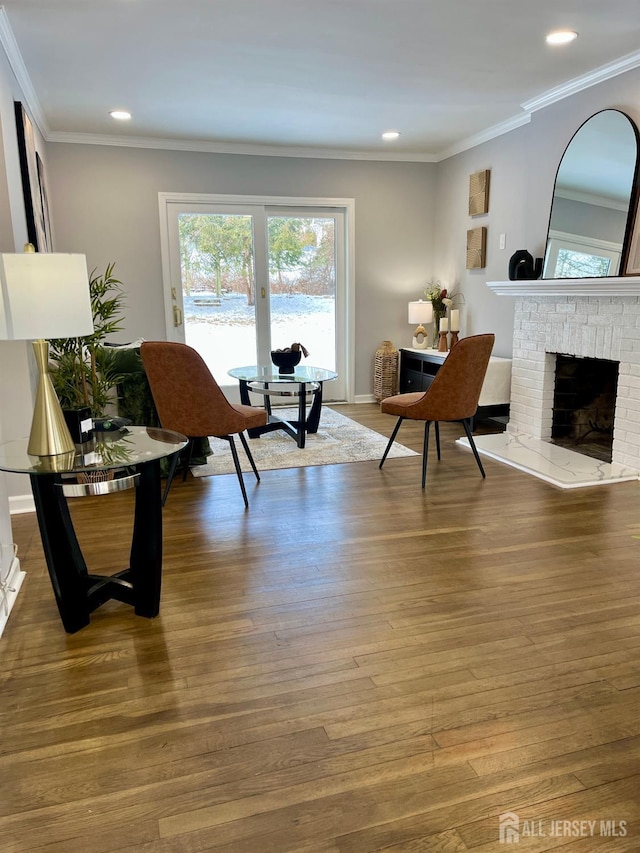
586	320
584	405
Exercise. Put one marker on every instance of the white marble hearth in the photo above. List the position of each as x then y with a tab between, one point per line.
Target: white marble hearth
556	465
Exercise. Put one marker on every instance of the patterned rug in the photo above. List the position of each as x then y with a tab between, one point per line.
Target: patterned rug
338	440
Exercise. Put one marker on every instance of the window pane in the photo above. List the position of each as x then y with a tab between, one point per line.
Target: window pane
218	288
572	264
302	283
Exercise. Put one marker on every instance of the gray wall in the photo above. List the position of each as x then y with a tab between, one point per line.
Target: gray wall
480	309
106	205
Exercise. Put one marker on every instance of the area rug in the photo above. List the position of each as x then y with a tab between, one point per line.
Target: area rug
338	440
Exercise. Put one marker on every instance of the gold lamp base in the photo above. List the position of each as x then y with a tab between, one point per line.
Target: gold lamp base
50	434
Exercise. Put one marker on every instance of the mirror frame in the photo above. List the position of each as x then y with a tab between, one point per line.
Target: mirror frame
633	212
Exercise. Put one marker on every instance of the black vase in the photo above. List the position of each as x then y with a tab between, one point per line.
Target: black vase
522	267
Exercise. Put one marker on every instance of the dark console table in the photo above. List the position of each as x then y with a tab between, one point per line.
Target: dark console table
116	461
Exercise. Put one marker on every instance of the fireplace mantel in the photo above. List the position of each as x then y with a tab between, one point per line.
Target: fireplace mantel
615	286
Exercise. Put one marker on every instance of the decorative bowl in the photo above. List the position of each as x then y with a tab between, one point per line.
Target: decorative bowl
286	361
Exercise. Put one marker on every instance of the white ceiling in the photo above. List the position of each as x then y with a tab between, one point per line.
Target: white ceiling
314	76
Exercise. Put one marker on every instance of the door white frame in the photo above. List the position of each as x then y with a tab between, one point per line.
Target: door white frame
171	275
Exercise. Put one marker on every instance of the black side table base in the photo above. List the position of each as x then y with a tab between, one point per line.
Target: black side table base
77	592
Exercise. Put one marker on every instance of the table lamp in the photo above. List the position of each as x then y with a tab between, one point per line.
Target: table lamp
420	312
45	295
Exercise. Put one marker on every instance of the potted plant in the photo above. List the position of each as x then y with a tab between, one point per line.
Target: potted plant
82	369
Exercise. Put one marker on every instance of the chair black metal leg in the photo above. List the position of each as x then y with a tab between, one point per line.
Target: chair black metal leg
437	438
391	440
187	461
236	462
466	425
172	470
425	451
249	455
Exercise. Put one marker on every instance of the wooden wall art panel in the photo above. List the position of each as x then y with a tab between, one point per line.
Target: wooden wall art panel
479	192
476	248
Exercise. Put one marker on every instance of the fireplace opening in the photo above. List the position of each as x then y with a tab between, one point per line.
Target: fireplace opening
584	402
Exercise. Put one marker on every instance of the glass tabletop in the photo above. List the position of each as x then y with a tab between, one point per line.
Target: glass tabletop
108	450
269	373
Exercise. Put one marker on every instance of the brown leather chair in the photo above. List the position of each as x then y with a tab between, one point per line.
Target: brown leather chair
452	396
189	400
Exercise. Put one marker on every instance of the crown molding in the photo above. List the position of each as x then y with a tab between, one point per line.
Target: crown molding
591	198
484	136
578	84
14	57
212	147
30	98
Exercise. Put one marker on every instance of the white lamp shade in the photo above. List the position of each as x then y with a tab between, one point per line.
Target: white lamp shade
44	295
420	312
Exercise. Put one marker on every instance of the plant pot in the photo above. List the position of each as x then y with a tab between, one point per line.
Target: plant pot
79	423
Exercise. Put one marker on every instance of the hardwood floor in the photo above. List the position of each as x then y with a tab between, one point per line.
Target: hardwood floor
351	665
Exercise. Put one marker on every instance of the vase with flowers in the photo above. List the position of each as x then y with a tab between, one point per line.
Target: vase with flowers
441	300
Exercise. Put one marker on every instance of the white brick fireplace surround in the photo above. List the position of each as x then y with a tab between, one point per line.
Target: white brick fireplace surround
594	318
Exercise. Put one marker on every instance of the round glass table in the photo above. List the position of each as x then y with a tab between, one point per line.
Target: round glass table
114	461
267	381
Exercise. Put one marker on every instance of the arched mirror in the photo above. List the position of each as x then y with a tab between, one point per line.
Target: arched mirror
592	206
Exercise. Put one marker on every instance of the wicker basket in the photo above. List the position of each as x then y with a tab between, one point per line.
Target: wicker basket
385	374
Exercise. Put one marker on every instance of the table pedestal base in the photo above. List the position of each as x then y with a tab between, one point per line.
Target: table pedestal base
297	429
79	593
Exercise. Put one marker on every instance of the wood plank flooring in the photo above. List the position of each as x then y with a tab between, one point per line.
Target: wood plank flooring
351	665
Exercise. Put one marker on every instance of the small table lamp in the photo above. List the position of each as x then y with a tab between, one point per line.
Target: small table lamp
45	295
420	312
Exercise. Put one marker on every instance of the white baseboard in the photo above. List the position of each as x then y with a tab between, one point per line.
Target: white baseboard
365	398
9	592
21	503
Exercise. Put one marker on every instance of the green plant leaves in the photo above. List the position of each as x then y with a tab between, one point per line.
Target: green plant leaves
82	371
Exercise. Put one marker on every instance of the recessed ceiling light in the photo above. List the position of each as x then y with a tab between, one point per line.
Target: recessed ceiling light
391	134
122	115
561	37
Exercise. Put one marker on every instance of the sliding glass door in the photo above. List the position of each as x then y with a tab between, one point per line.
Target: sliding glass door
217	289
243	279
303	302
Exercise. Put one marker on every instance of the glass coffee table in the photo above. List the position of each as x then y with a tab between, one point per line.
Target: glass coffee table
117	461
267	381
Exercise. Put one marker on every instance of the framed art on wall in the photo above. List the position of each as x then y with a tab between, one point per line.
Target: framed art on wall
33	183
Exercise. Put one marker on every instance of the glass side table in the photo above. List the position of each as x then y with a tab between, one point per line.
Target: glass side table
116	461
266	380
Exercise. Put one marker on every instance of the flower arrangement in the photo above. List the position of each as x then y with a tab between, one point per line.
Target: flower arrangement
439	297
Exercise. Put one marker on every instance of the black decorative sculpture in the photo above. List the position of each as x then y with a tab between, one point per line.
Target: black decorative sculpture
522	266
